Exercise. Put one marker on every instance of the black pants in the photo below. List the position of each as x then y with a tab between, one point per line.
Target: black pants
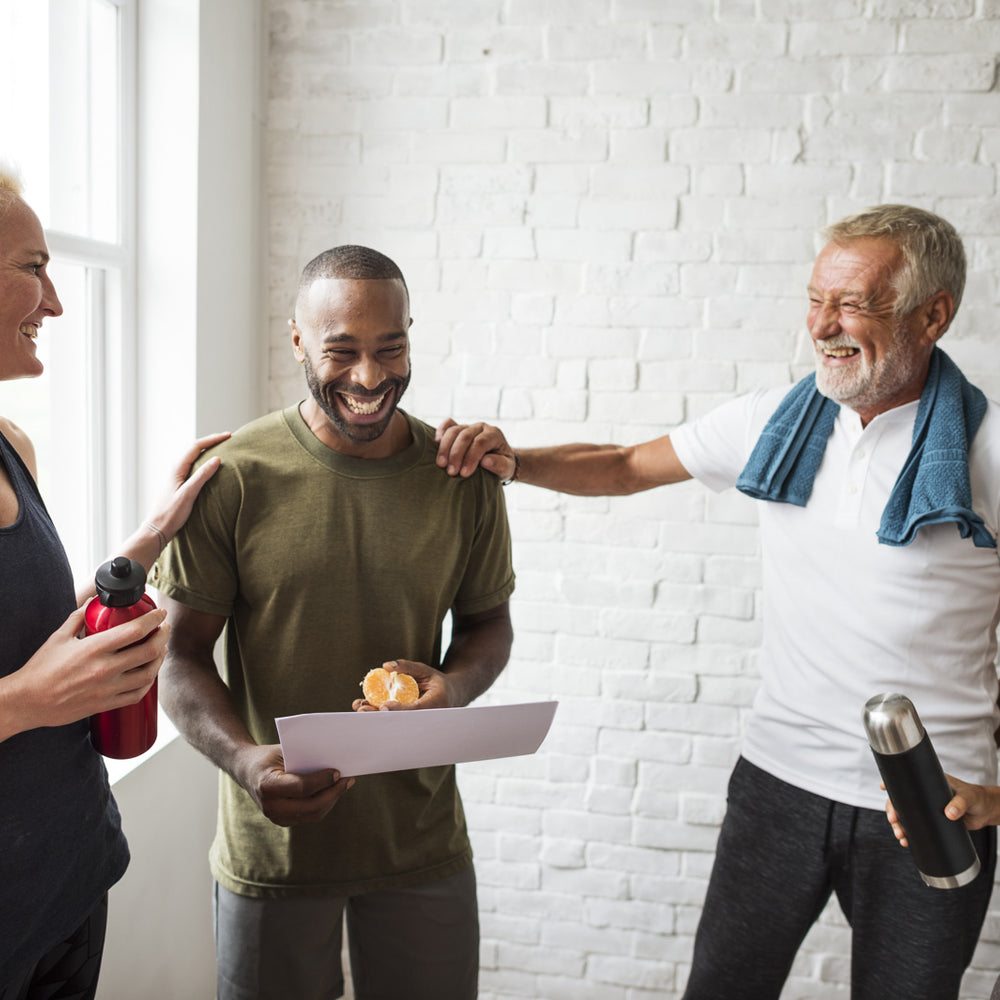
782	852
68	971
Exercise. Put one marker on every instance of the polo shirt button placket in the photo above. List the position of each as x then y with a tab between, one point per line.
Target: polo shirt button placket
851	495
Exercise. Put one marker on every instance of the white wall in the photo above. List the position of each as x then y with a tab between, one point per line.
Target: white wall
605	210
201	360
160	944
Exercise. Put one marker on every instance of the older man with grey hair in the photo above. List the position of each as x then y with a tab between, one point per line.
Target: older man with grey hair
880	480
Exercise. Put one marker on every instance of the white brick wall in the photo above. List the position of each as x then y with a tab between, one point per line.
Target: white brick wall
606	213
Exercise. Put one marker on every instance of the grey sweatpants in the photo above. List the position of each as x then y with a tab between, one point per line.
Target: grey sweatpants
419	942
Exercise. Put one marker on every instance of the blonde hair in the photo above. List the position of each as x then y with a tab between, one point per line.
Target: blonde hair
933	255
11	187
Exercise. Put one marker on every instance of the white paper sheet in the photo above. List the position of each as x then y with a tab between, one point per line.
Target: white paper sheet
359	743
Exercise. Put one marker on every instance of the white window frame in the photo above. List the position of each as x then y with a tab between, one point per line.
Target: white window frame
96	362
111	324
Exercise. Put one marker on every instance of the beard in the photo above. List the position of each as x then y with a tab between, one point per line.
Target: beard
324	393
872	383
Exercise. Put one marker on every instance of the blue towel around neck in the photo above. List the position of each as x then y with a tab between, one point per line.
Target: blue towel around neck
934	485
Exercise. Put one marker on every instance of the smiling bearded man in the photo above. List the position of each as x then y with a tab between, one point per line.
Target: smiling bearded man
332	544
325	341
868	356
880	474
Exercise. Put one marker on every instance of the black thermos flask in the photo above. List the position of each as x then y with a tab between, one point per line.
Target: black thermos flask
919	790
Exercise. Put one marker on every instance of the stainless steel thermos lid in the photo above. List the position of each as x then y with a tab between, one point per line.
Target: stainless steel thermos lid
892	723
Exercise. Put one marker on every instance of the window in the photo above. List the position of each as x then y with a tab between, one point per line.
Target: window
67	70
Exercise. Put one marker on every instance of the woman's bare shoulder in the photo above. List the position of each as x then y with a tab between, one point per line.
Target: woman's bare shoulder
21	443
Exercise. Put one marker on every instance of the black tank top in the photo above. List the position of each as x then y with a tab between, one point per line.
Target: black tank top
61	845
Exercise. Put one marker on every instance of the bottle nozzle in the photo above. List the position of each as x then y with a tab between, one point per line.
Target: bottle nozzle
120	582
121	567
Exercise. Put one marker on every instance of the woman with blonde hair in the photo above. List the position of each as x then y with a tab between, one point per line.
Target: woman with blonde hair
61	844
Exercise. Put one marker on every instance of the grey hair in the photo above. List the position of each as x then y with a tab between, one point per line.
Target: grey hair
933	255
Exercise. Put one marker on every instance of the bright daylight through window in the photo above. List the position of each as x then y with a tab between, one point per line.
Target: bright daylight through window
65	126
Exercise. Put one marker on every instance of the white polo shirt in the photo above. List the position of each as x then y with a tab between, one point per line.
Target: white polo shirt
846	618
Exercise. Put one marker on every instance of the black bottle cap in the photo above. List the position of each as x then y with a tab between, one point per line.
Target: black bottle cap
120	582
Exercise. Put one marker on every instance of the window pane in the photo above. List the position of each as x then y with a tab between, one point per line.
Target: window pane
60	126
60	122
24	111
84	136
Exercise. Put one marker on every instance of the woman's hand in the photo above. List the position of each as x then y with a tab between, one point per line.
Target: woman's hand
146	543
70	678
175	508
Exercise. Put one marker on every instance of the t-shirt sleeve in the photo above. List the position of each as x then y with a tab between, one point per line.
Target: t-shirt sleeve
199	568
489	575
715	448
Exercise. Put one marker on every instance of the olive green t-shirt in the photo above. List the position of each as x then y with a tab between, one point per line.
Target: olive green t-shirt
326	566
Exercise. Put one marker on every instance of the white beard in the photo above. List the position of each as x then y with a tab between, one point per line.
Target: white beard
866	385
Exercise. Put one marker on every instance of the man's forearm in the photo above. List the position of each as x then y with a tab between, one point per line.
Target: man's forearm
477	655
200	706
580	469
602	469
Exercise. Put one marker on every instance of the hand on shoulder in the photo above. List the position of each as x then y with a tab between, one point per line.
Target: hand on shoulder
462	448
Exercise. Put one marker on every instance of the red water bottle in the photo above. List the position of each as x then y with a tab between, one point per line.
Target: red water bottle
121	596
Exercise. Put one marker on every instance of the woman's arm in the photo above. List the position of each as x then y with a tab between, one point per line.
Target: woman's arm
148	540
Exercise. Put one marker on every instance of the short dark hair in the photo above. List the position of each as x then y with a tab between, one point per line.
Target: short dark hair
350	261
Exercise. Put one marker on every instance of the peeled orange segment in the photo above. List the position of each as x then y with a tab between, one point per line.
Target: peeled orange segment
381	685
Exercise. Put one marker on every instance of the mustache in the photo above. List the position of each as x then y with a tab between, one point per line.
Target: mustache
362	392
837	343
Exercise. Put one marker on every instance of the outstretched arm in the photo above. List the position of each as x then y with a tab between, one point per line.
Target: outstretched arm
167	518
581	469
148	540
199	703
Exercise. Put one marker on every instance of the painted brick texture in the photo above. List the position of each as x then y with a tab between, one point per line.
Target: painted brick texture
606	211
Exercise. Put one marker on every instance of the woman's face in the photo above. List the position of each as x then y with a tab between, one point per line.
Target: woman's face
27	295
